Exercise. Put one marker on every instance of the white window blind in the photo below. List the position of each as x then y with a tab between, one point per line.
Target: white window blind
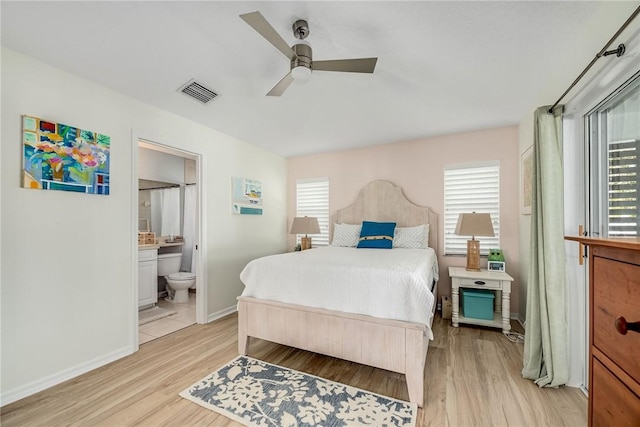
623	146
614	169
471	188
312	199
624	187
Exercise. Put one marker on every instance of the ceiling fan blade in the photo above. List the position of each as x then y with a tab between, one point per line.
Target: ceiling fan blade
360	65
262	26
281	86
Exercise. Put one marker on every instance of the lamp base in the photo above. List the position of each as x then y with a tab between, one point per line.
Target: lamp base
305	243
473	255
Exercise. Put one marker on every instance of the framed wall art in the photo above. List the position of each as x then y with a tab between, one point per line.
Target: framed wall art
57	156
247	196
526	168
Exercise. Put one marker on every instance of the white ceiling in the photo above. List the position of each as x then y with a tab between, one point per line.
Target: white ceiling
444	66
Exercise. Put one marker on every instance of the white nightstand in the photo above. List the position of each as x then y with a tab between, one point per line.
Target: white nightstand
484	279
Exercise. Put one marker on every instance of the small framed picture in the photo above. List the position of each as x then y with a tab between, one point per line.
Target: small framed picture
496	266
526	174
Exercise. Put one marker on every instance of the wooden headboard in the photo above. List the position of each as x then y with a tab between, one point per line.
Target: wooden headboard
383	201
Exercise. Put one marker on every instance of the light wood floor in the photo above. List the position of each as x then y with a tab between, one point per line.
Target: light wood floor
472	379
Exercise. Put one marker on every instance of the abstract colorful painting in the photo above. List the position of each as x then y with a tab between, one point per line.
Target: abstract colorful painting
62	157
247	196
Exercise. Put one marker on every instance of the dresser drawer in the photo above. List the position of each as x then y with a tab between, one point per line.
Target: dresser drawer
485	284
616	292
616	404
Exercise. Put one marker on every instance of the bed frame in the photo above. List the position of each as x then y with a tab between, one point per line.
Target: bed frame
393	345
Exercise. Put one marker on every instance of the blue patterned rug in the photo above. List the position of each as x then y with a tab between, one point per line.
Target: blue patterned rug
257	393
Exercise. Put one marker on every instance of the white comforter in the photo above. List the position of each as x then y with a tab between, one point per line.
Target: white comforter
390	284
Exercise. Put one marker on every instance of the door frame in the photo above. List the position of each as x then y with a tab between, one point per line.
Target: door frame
159	144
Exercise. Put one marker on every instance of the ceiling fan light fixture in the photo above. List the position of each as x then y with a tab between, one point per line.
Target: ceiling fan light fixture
301	73
300	55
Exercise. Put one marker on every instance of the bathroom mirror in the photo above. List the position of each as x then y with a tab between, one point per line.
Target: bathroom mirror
143	225
160	206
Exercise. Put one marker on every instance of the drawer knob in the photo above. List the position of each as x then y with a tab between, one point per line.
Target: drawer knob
622	326
480	282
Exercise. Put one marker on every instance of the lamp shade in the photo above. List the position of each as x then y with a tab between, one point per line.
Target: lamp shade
305	225
474	224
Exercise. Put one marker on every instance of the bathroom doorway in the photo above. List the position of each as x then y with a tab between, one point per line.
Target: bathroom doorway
171	295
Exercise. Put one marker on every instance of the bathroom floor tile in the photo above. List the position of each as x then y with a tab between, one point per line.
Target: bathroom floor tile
185	316
162	327
143	338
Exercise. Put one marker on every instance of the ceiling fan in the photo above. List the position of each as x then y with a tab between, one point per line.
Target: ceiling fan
300	54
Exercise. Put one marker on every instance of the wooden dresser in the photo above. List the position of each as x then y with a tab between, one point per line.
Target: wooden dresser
614	331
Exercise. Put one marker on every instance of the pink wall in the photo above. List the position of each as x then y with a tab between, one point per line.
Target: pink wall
417	167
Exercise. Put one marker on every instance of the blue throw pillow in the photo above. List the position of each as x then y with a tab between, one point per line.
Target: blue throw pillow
378	235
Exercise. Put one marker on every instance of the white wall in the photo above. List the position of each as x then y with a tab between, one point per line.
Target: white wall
159	166
525	134
67	262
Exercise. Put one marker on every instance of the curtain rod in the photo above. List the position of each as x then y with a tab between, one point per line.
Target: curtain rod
160	188
168	186
619	51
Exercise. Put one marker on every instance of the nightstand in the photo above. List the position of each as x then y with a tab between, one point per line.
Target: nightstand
483	279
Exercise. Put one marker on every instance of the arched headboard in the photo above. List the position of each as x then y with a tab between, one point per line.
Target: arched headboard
383	201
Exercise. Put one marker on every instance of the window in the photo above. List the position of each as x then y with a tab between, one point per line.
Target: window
312	199
471	188
614	131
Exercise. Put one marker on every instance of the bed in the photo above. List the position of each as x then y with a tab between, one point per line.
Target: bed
358	330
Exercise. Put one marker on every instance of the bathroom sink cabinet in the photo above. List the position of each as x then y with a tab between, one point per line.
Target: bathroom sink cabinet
147	277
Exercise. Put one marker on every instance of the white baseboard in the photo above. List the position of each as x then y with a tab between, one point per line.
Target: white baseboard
33	387
584	390
220	314
577	384
10	396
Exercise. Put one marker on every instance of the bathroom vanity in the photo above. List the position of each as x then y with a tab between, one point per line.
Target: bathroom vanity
148	269
147	275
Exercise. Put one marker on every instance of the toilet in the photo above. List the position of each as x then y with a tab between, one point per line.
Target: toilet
169	268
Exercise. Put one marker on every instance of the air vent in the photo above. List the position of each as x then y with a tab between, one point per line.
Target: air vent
198	91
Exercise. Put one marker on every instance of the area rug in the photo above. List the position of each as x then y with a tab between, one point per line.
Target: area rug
257	393
153	313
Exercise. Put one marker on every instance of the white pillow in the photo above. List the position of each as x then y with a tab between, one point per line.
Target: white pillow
346	235
412	237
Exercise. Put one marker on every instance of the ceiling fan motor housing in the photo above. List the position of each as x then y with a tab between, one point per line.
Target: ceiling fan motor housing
304	53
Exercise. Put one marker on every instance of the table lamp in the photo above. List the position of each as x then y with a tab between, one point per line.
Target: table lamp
474	224
305	225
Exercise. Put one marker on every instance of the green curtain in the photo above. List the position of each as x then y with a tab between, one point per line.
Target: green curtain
545	345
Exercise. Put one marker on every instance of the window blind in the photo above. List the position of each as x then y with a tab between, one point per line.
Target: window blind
624	186
312	199
623	147
613	129
471	188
